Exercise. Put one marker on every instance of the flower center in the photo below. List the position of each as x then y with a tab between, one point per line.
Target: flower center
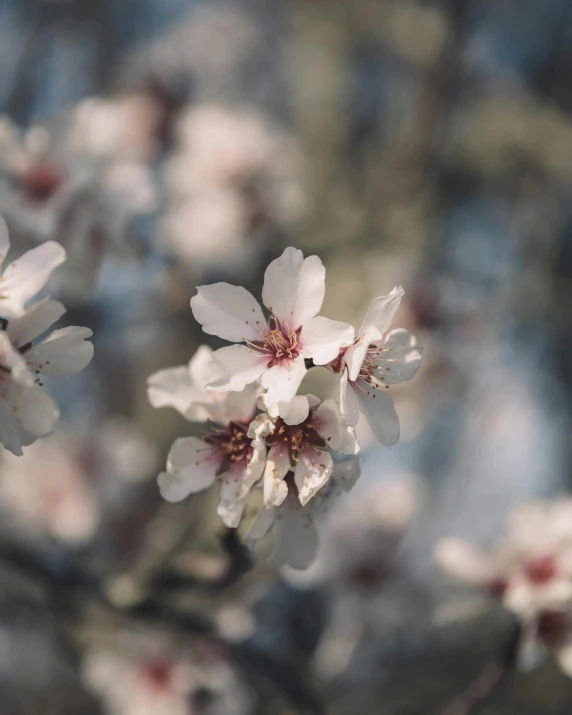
296	439
540	570
280	343
41	182
233	445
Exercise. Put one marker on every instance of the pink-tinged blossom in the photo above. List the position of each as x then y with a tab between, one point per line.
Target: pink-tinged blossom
225	453
376	360
294	525
530	574
274	349
299	440
28	351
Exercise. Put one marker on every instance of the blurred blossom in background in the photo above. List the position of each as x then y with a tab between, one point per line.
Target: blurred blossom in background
168	144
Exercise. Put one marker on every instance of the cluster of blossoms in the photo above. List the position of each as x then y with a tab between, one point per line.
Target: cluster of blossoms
264	433
530	574
29	349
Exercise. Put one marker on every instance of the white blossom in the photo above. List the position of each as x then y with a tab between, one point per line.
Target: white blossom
294	525
226	453
530	573
299	439
28	352
376	360
276	348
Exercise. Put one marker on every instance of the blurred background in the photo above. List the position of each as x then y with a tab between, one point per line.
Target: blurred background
173	143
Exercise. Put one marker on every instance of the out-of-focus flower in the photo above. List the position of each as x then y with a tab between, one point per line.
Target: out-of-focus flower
373	363
298	441
276	348
27	412
233	175
149	676
295	533
46	494
82	193
530	573
226	452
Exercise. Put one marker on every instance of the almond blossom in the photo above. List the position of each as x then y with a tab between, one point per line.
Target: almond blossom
27	411
225	453
294	525
274	349
376	360
298	441
530	573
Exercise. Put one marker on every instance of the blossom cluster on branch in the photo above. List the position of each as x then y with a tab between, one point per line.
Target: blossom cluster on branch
298	450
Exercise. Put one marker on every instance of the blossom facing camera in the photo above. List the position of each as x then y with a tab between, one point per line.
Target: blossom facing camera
29	351
225	453
530	573
376	360
274	349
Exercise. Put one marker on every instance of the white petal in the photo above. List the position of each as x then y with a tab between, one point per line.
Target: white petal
381	312
190	468
277	466
334	429
27	275
235	489
171	387
64	352
201	365
463	561
235	366
311	473
34	321
261	426
564	658
379	410
230	312
36	411
12	434
14	364
345	474
403	359
4	241
282	382
322	339
264	521
293	287
355	354
349	403
235	407
296	539
295	411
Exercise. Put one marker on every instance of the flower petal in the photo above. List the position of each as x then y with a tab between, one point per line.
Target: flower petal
171	387
34	321
4	241
36	411
295	538
191	467
264	521
334	428
295	411
235	407
311	473
381	312
230	312
12	434
349	403
282	382
277	466
379	410
236	366
27	275
64	352
402	361
235	488
294	287
323	338
463	561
